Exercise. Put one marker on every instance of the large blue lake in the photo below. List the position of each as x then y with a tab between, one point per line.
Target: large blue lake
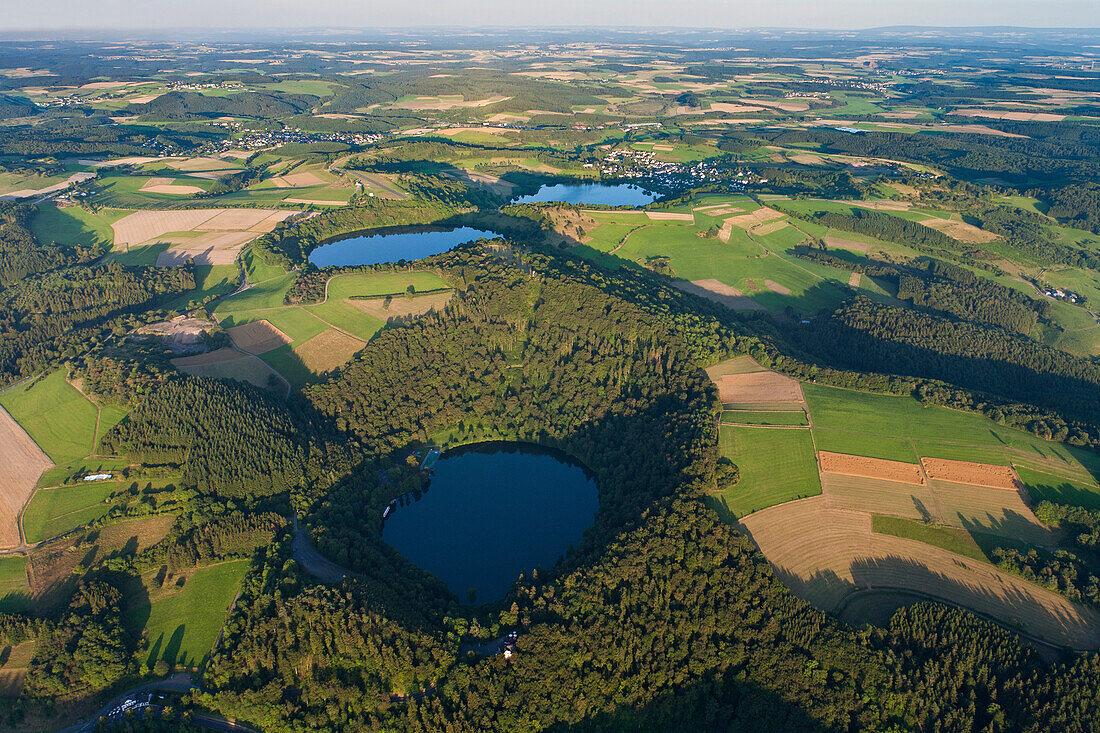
375	249
618	194
492	512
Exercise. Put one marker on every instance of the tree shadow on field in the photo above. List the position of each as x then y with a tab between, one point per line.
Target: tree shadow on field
1075	627
714	703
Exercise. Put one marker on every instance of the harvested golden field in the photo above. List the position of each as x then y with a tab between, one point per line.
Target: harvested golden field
823	555
1000	114
669	216
854	279
849	244
719	292
403	306
21	463
299	180
960	230
769	228
990	510
755	218
878	496
227	364
258	337
965	472
158	184
908	473
328	350
209	248
144	227
758	388
881	205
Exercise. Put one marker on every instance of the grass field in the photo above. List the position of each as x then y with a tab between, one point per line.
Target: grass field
75	225
53	512
1060	489
264	294
776	466
14	588
182	625
758	417
901	428
951	539
55	415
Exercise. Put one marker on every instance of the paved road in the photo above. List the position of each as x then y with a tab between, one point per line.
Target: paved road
312	560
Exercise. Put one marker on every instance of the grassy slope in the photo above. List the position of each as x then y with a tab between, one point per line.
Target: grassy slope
53	512
900	428
75	225
183	626
776	466
55	415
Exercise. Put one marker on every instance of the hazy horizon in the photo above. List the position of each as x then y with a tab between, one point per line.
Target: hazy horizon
71	15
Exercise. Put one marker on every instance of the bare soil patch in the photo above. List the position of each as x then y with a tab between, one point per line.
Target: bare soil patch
319	202
228	364
258	337
854	279
1001	114
669	216
806	159
21	463
403	306
824	554
752	220
305	178
328	350
758	387
960	230
775	287
182	331
847	244
719	292
897	471
736	365
881	205
979	474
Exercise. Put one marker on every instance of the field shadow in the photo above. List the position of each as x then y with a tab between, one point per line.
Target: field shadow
1064	493
1008	607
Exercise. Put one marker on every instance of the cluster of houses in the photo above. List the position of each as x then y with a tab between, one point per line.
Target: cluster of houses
1059	294
644	167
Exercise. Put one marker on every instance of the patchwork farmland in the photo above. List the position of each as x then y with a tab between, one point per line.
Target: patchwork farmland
872	501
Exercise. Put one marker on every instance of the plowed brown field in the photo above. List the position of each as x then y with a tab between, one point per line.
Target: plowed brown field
21	463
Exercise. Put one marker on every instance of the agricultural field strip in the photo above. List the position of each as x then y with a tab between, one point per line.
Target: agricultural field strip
826	554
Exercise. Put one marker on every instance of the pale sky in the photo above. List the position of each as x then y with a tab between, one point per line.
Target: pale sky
825	14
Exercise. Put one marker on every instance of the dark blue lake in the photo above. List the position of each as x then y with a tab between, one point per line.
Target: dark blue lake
375	249
492	512
618	194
